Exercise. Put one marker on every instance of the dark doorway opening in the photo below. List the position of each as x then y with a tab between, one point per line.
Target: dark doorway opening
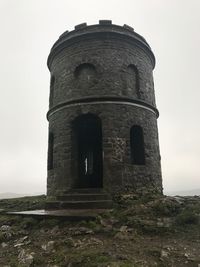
88	134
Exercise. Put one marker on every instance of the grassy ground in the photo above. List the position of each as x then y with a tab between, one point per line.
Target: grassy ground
139	231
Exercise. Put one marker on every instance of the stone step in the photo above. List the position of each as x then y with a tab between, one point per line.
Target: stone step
85	191
83	197
92	204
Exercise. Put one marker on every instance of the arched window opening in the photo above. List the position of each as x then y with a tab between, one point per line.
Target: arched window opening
88	146
132	80
50	151
137	145
86	74
52	83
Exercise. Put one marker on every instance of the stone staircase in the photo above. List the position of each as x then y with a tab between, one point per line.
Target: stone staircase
83	198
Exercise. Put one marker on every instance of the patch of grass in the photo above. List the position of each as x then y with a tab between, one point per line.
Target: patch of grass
49	223
38	260
93	225
23	203
127	264
28	223
2	237
187	217
166	208
13	262
90	257
8	220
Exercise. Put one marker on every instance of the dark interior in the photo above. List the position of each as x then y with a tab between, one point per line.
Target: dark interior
137	145
89	150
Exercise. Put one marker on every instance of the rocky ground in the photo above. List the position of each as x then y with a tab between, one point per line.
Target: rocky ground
139	231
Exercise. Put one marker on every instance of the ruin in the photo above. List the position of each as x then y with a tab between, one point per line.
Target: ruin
103	136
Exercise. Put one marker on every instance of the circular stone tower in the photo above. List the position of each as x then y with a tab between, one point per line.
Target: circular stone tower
102	113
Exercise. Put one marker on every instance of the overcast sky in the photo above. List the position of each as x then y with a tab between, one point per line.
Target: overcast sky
28	29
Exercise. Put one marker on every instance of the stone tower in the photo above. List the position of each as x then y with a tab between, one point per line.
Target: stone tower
102	114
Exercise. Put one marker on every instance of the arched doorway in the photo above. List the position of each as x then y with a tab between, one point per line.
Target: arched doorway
88	150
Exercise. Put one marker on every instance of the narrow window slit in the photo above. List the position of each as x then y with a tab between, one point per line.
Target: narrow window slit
50	151
137	145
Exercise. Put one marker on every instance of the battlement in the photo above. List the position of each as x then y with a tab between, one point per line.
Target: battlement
101	23
104	27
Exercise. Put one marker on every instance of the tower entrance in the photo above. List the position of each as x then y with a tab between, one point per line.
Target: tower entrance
88	143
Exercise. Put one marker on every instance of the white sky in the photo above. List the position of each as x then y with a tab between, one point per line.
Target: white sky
28	29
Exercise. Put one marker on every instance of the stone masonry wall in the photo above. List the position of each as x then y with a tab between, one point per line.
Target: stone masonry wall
111	58
110	77
119	173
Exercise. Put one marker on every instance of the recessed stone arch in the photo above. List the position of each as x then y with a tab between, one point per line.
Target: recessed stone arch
85	75
132	80
50	151
52	84
137	145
